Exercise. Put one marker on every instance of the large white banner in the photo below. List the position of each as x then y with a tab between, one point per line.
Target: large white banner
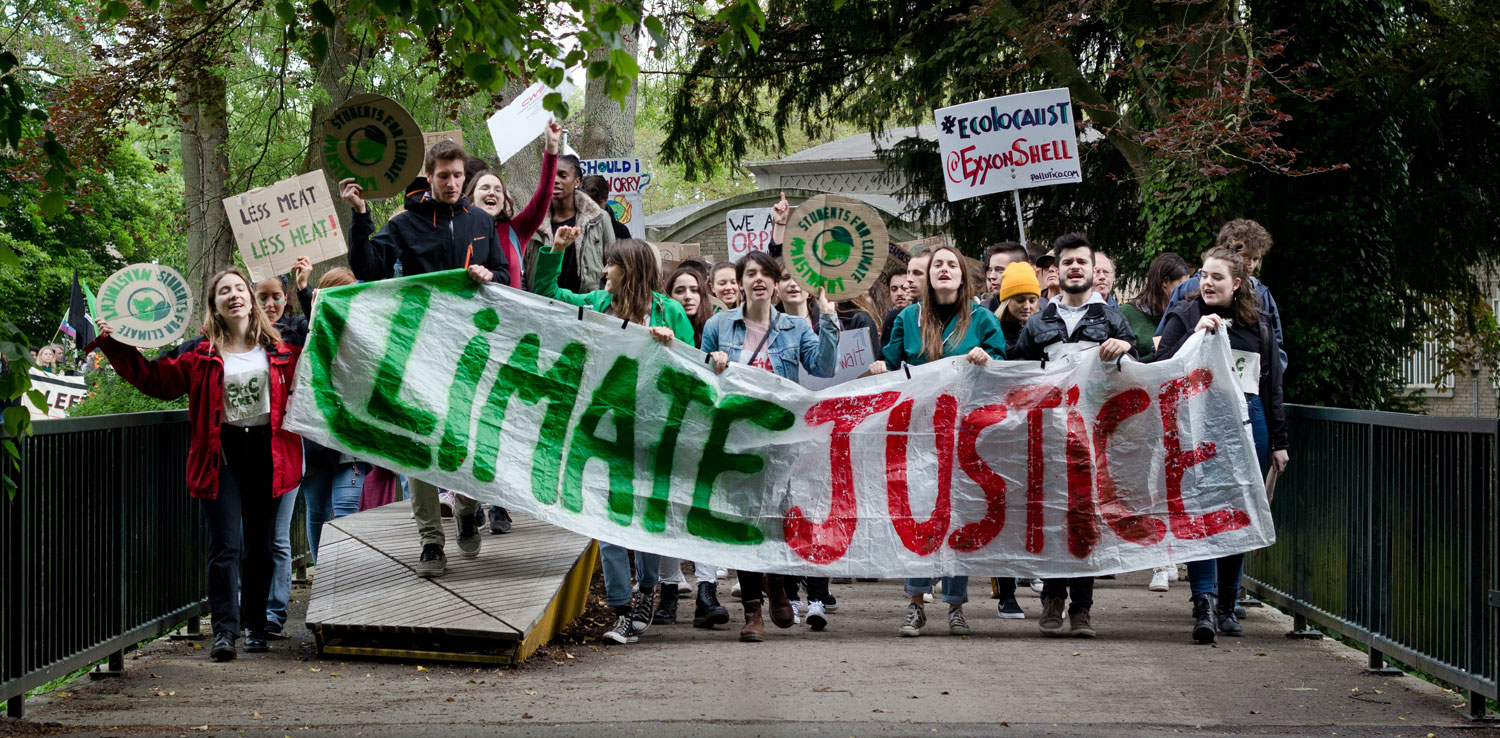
1008	143
1072	468
59	392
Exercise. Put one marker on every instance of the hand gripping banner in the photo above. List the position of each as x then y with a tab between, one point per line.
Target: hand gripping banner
1013	469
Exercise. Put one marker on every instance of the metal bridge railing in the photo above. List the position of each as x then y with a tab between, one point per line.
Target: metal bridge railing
1386	529
102	547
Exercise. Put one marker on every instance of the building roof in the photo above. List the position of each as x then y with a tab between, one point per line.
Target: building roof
859	147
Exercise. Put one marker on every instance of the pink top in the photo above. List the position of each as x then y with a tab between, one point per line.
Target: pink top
516	232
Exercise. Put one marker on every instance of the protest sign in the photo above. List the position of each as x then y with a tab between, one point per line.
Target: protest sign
1008	143
626	182
519	123
147	305
746	230
374	140
835	243
274	225
1070	468
673	253
429	139
59	392
856	353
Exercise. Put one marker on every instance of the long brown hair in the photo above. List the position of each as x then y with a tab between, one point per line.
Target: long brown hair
1244	306
933	344
1165	269
705	310
638	278
216	329
507	207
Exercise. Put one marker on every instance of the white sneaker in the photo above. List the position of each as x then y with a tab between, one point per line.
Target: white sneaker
1159	579
817	618
735	590
1036	586
796	612
927	597
721	573
1172	573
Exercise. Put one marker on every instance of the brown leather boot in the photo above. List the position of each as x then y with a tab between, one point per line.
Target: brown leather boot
782	613
755	628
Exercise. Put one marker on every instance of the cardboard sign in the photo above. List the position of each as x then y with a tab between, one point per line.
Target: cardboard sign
61	392
591	425
675	252
429	139
923	245
626	182
147	305
274	225
746	230
1008	143
520	122
375	141
856	353
835	243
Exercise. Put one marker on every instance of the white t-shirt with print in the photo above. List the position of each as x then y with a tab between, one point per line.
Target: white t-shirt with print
247	388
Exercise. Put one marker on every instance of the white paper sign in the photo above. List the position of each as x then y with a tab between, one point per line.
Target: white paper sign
274	225
60	393
747	229
626	183
520	122
1008	143
856	354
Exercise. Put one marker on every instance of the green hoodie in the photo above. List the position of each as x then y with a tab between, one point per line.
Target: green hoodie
664	310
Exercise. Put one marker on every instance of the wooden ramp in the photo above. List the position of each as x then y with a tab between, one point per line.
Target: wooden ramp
496	608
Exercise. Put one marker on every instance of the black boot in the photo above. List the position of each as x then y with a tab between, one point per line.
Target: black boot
1229	621
1205	628
709	612
666	609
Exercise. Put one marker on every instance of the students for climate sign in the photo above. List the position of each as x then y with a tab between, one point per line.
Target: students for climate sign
1072	468
147	305
1008	143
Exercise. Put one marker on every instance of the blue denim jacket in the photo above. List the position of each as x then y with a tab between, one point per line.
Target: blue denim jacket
793	343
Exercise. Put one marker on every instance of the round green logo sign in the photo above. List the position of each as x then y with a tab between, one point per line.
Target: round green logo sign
147	305
375	141
836	243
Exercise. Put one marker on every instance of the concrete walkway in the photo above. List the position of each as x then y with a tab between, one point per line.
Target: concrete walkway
1141	677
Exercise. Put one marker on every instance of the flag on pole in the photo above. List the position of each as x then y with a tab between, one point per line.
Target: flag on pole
79	322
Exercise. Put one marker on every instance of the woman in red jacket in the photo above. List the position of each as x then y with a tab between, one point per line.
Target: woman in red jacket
237	377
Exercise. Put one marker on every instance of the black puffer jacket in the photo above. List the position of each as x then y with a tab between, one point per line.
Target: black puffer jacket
1100	323
429	236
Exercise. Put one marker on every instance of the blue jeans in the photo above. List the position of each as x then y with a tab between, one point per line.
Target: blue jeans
331	493
281	561
955	589
1225	571
616	560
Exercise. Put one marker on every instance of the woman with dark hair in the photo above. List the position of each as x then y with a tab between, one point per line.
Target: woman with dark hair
582	267
1144	313
1227	300
757	334
946	322
723	284
687	286
238	378
486	190
630	280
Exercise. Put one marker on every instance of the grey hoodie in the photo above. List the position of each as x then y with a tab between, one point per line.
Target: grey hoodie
595	233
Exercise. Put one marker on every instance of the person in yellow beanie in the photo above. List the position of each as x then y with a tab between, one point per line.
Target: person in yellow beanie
1020	298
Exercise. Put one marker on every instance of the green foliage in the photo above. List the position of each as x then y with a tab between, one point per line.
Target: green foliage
109	394
15	382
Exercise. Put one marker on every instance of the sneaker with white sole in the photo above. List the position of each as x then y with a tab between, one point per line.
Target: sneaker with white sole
1159	579
1009	609
1173	574
830	603
721	573
958	625
796	612
927	597
644	612
916	617
432	563
817	618
734	591
622	632
468	534
1036	586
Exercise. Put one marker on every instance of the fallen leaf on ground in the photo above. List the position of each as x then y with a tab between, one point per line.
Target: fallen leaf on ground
256	716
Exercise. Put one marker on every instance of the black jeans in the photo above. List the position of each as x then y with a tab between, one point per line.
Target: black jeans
241	531
1006	587
817	588
1082	589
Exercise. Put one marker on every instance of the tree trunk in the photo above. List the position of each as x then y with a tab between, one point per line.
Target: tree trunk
608	127
203	109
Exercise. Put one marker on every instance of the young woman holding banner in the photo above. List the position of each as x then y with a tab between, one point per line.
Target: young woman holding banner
238	378
1227	300
630	280
945	322
757	334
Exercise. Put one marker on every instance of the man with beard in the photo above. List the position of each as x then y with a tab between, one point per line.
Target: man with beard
1076	320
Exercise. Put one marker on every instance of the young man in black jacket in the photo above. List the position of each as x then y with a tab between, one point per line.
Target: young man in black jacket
439	230
1076	320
